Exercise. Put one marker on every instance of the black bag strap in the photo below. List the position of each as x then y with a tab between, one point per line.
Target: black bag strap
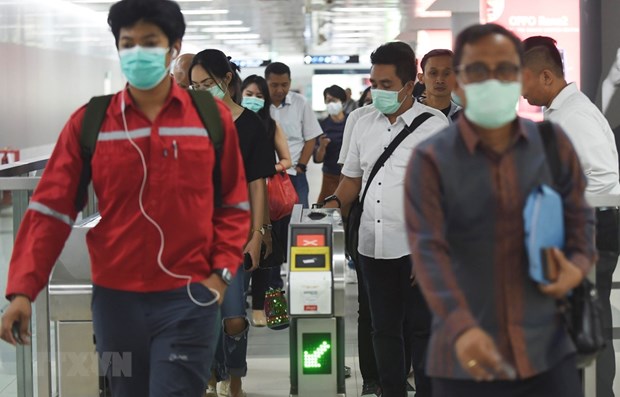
210	115
91	124
392	146
547	134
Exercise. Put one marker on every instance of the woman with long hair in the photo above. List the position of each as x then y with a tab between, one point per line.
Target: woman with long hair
256	98
212	71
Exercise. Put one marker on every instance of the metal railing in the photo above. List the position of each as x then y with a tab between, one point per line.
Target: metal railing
34	368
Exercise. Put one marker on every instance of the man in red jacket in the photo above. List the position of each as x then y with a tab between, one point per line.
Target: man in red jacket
162	254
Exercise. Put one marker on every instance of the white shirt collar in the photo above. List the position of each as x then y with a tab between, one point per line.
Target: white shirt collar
563	95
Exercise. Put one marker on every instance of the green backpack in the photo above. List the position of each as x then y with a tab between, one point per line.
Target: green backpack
93	119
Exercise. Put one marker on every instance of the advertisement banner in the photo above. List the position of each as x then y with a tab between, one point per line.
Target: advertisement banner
527	18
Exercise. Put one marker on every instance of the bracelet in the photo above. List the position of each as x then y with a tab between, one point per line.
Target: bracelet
333	197
268	226
302	167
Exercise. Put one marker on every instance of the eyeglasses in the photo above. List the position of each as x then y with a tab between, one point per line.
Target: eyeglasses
203	85
479	71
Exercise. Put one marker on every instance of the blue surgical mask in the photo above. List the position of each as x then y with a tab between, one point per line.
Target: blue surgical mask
492	103
144	67
253	103
386	101
217	91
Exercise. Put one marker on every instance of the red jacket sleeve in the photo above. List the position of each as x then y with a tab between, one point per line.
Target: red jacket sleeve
49	217
231	222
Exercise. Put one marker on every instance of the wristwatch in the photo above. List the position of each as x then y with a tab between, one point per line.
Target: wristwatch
333	197
303	167
268	226
224	274
261	230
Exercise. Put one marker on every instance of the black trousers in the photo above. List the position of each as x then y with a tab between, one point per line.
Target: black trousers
400	322
560	381
365	348
608	245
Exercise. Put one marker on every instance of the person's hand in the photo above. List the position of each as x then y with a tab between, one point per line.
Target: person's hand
215	282
18	311
268	241
252	247
569	276
478	354
324	141
299	170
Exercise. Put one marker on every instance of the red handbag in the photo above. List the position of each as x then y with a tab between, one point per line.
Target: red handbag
282	195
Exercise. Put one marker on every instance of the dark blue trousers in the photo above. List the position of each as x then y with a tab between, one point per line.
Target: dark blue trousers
156	344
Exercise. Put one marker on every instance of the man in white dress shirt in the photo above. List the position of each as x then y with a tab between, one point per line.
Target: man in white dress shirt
398	310
544	85
298	121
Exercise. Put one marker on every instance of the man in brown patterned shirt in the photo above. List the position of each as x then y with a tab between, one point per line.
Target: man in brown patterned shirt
495	331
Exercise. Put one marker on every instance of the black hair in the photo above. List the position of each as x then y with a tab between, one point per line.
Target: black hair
418	89
476	32
435	53
360	102
277	68
166	14
399	54
217	64
264	113
543	51
336	92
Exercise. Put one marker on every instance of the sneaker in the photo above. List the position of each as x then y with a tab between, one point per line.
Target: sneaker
224	388
347	372
211	392
371	389
410	390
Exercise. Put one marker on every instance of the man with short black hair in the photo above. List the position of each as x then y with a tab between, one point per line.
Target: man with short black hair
496	332
164	251
295	116
544	84
439	80
398	311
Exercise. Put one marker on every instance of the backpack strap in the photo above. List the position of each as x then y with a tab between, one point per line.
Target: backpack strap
547	134
209	114
91	124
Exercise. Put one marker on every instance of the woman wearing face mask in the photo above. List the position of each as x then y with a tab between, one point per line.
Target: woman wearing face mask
328	145
257	99
211	71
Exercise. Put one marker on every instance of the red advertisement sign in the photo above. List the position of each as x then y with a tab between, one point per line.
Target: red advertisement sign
528	18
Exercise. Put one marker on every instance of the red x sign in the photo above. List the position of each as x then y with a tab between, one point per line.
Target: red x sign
311	240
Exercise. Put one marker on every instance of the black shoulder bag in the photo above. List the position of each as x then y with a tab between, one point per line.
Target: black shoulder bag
582	310
355	214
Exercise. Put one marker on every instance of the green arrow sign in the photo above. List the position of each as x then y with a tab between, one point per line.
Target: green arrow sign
312	360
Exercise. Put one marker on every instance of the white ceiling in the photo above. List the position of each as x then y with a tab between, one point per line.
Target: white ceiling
258	29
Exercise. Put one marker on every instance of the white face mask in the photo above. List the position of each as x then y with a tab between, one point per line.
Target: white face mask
334	108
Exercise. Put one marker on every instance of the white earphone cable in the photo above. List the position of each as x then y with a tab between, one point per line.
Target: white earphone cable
154	223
